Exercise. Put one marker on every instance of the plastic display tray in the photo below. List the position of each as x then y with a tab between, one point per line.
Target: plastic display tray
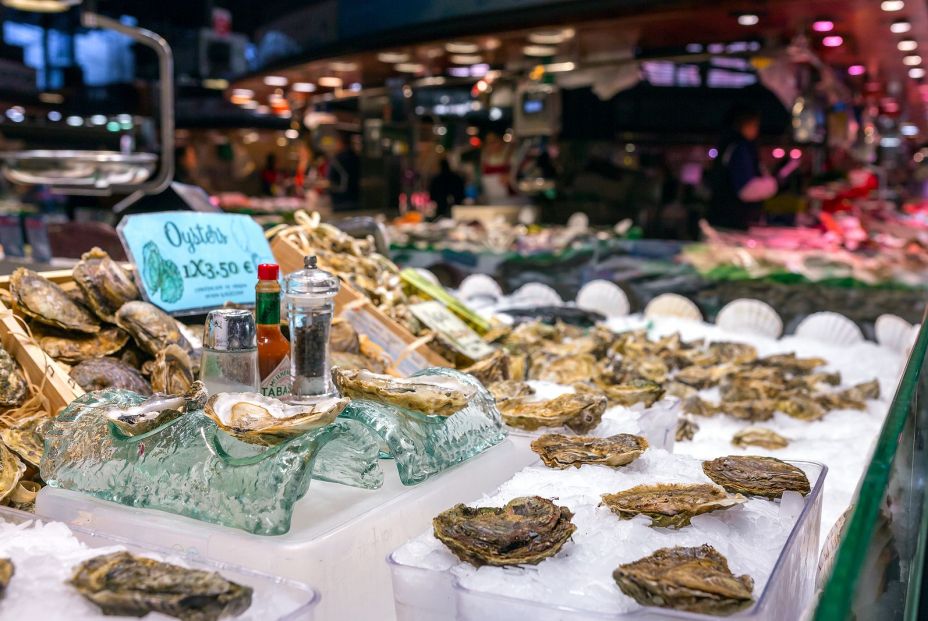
304	599
430	595
338	538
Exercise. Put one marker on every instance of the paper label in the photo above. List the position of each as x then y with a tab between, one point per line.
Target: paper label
454	331
277	383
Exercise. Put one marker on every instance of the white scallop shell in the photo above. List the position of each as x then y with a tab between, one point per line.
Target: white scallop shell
603	297
578	221
479	286
429	276
536	294
750	317
829	327
895	332
672	305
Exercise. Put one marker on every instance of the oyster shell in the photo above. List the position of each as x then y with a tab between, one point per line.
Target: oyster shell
106	286
429	394
11	471
636	391
686	429
13	387
157	410
172	371
862	392
36	297
697	406
151	327
127	585
560	451
510	389
563	370
493	368
756	476
693	579
754	411
524	532
580	412
732	353
100	373
343	337
703	377
257	419
670	504
792	364
759	436
801	407
25	442
74	347
346	360
6	574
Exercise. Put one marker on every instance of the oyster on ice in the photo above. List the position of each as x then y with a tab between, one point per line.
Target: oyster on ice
670	504
347	360
703	377
172	371
686	429
429	394
580	412
257	419
11	471
126	585
157	410
100	373
564	370
752	410
526	531
801	407
734	353
75	347
151	327
493	368
13	387
759	436
636	391
561	451
863	391
693	579
106	286
6	574
36	297
756	476
510	389
25	442
791	363
697	406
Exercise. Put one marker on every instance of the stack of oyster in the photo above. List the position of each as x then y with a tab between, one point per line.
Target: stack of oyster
20	444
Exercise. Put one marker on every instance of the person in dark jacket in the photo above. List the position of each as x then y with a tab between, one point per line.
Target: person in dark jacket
446	190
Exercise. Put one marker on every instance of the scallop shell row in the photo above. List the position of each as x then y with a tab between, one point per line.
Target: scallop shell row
895	333
603	297
750	317
478	286
536	294
831	328
672	305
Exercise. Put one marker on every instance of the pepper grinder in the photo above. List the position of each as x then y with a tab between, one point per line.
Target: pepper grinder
309	294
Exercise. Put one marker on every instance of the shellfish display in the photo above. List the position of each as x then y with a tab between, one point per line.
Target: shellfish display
581	412
562	451
429	394
6	574
11	471
13	388
756	476
759	436
106	286
671	504
75	347
257	419
150	327
157	410
100	373
171	371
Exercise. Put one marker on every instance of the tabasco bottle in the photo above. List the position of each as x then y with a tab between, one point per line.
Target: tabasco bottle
273	347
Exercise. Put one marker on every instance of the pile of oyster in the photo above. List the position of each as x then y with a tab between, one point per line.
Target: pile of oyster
21	446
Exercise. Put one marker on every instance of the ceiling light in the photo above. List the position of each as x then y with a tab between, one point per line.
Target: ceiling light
833	41
98	119
694	48
551	37
900	26
250	104
343	66
560	67
779	153
52	98
355	87
74	121
892	5
461	47
539	50
245	93
908	129
823	25
912	60
466	59
409	67
329	81
748	19
433	52
54	115
491	43
292	134
856	70
304	87
281	142
392	57
907	45
275	80
41	6
916	73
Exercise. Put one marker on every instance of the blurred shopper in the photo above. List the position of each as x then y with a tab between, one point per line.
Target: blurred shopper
495	169
270	176
446	190
344	176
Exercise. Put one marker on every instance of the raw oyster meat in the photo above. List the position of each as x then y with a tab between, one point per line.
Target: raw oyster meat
36	297
526	531
636	391
11	471
75	347
106	286
756	476
151	327
257	419
100	373
126	585
429	394
157	410
580	412
670	504
561	451
759	436
510	389
24	441
13	387
693	579
686	429
493	368
172	371
6	573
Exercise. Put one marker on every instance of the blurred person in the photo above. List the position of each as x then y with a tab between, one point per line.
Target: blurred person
344	176
495	169
446	189
270	175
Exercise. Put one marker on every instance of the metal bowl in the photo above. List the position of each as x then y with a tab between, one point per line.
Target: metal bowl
84	169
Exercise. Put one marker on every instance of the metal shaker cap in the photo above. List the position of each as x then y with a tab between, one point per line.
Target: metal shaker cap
230	329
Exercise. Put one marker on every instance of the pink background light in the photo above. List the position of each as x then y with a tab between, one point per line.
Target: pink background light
856	70
833	41
823	25
778	153
795	153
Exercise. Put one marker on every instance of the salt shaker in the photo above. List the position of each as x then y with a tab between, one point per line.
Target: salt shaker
229	362
309	294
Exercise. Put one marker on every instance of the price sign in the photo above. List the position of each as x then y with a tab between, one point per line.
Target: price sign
456	333
192	261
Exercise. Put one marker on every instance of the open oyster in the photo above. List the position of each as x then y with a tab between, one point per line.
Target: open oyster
636	391
759	436
11	471
693	579
756	476
13	387
126	585
172	371
429	394
686	429
670	504
106	286
524	532
560	451
100	373
157	410
36	297
73	347
24	441
257	419
6	573
510	389
580	412
564	370
493	368
151	327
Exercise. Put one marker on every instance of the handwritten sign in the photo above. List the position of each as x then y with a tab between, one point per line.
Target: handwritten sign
192	261
455	332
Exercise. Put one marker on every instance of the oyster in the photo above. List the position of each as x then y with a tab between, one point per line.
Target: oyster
801	407
636	391
100	373
172	371
564	370
126	585
756	476
792	364
580	412
25	442
151	327
670	504
343	337
759	410
693	579
42	300
697	406
559	451
703	377
733	353
686	429
6	573
13	387
429	394
257	419
346	360
526	531
106	286
11	471
157	410
510	389
739	389
493	368
759	436
73	348
863	391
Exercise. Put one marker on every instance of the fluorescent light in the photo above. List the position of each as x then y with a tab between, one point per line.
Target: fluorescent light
343	66
461	47
392	57
328	81
907	45
833	41
916	73
54	115
466	59
292	134
74	121
409	67
748	19
560	67
900	26
779	153
694	48
823	25
276	80
355	87
539	50
908	129
551	37
303	87
912	60
890	6
41	6
98	119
